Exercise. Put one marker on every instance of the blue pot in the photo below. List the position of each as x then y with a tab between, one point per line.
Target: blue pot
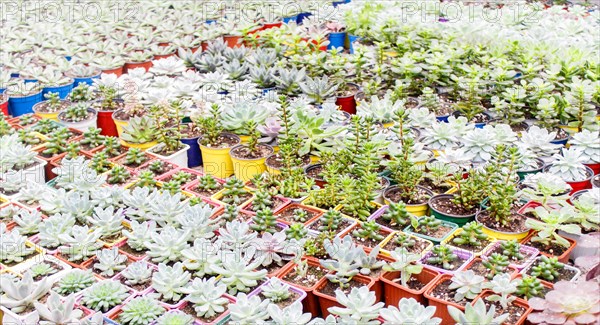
562	142
63	91
210	21
194	154
2	90
301	17
336	40
30	80
87	80
68	57
287	20
337	3
18	106
14	75
443	118
353	38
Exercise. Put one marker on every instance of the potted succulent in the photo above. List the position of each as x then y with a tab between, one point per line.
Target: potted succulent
168	135
431	229
569	166
22	96
588	141
216	145
50	108
190	134
4	104
20	158
83	74
78	116
461	206
454	292
547	239
138	59
139	133
107	105
54	81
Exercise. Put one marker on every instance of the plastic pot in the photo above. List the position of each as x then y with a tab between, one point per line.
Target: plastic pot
327	301
502	234
217	161
232	40
457	219
18	106
86	80
394	291
348	103
451	225
134	65
107	124
310	303
353	39
117	71
578	185
317	212
441	306
336	40
246	168
82	126
564	257
595	167
63	91
287	20
518	302
463	255
194	155
178	158
523	173
576	271
302	16
120	124
476	252
418	210
523	249
391	237
4	105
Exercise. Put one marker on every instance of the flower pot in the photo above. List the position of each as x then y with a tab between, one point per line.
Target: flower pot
563	258
418	210
163	56
578	185
586	244
302	16
336	40
283	202
518	302
82	126
117	71
272	25
427	247
35	173
510	270
4	104
326	301
457	219
317	213
86	80
394	291
441	306
120	124
476	251
63	91
45	115
232	40
523	173
178	158
595	167
18	106
217	161
532	252
141	146
465	258
502	234
352	40
107	124
245	168
435	241
348	103
134	65
221	320
287	20
310	303
194	155
575	271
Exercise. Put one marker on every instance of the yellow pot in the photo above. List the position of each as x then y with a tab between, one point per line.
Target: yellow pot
244	138
141	146
569	129
448	241
417	210
120	124
388	125
393	235
245	169
273	171
50	116
314	159
217	161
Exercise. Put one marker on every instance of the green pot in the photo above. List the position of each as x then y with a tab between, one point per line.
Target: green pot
523	173
436	241
456	219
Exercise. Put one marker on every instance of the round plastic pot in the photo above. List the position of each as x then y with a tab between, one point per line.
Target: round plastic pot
501	234
63	91
117	71
462	255
163	56
443	118
457	219
232	40
353	39
119	124
523	249
194	155
217	161
50	116
561	142
4	105
107	124
336	40
441	306
347	103
86	80
337	3
141	146
579	185
327	301
272	25
394	291
595	167
134	65
418	210
564	257
178	158
302	16
82	126
318	181
310	303
287	20
246	169
453	226
523	173
18	106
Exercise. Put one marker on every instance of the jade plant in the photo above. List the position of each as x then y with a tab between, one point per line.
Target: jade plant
442	256
529	287
547	268
369	230
118	175
234	191
495	264
471	235
396	215
512	250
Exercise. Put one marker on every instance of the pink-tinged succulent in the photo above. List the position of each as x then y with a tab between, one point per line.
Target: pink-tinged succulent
569	303
334	26
270	130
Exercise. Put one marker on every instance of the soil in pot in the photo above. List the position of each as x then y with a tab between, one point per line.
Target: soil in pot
564	274
30	308
417	248
275	161
345	223
277	202
208	192
330	288
224	141
517	225
119	104
438	233
454	265
292	298
474	249
561	134
527	254
368	242
480	269
189	309
395	195
446	206
313	275
288	213
44	107
551	249
439	189
514	311
58	267
31	255
125	248
189	132
167	167
137	287
443	292
315	172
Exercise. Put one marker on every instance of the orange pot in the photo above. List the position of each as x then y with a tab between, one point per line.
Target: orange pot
326	301
394	291
310	303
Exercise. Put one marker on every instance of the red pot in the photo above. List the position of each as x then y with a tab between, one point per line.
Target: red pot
195	49
107	124
164	44
204	45
232	41
272	25
158	57
132	65
118	71
4	105
327	301
594	167
394	291
310	303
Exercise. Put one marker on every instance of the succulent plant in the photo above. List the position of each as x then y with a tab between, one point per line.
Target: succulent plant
56	311
108	220
476	314
42	270
23	293
236	234
568	303
140	234
13	248
405	263
512	249
104	295
140	311
409	311
396	215
109	261
296	231
170	281
53	229
551	222
139	130
200	256
529	286
503	287
137	273
466	284
343	255
167	245
81	244
569	165
496	264
264	221
442	255
276	290
330	220
248	310
175	317
471	235
74	281
360	305
118	175
234	191
546	268
28	221
207	297
239	274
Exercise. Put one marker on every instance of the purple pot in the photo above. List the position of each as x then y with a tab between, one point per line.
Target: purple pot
377	214
293	289
463	255
525	250
120	276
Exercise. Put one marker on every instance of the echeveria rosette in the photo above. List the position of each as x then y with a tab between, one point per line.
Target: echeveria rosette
569	303
589	142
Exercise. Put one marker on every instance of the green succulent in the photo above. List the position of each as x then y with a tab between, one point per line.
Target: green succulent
264	221
369	230
442	255
512	249
547	268
296	231
104	295
140	311
234	191
118	175
74	281
135	157
330	220
112	146
471	235
529	287
396	215
496	264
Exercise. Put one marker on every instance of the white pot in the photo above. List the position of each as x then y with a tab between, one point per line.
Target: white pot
179	158
37	173
587	245
82	126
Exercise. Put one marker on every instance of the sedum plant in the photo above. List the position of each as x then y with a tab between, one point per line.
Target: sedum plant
110	261
512	249
206	295
495	264
104	295
140	311
409	311
234	191
170	281
476	314
471	235
547	268
396	215
529	286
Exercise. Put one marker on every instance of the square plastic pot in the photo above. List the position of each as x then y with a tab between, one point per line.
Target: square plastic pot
327	301
464	256
178	158
394	291
476	251
310	303
523	249
436	241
